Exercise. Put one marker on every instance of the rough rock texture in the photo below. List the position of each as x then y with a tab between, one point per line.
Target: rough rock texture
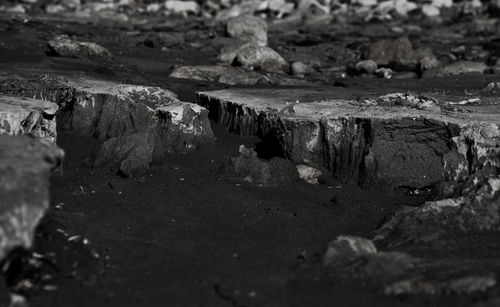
462	67
252	169
254	57
410	143
396	273
385	51
231	75
28	116
248	28
64	46
123	117
25	165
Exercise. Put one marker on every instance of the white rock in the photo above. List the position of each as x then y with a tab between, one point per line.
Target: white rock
430	10
308	174
54	9
182	7
346	248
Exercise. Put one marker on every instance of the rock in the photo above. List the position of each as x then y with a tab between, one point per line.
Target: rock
16	9
308	174
28	116
397	273
55	9
347	248
252	169
298	69
254	57
222	74
63	46
365	67
248	28
25	165
384	51
430	10
133	124
182	7
164	39
394	140
490	131
462	67
153	7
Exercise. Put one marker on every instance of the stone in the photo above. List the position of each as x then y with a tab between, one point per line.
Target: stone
132	124
299	69
384	51
308	174
395	140
249	168
223	74
164	39
366	67
182	7
28	116
16	9
430	10
55	8
347	248
255	57
397	273
248	28
462	67
25	167
64	46
490	131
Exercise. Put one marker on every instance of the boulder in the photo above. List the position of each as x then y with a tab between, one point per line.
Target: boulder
248	28
385	51
25	167
64	46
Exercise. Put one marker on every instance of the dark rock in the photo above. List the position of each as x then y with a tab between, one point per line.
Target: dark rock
248	28
220	73
384	51
64	46
164	39
25	167
252	169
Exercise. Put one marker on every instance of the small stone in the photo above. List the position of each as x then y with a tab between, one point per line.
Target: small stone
430	10
462	67
248	28
366	67
182	7
55	9
153	7
298	68
308	174
490	131
347	248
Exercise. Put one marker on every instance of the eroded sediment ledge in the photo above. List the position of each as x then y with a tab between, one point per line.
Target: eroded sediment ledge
25	166
400	143
134	124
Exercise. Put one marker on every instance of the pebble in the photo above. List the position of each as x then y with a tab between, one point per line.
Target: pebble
462	67
248	28
366	67
298	68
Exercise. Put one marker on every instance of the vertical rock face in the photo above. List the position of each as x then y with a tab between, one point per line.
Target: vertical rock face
135	124
25	165
411	142
28	116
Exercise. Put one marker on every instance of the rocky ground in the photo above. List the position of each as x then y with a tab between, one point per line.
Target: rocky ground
232	153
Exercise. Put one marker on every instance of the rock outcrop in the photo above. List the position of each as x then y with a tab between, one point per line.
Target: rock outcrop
134	124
